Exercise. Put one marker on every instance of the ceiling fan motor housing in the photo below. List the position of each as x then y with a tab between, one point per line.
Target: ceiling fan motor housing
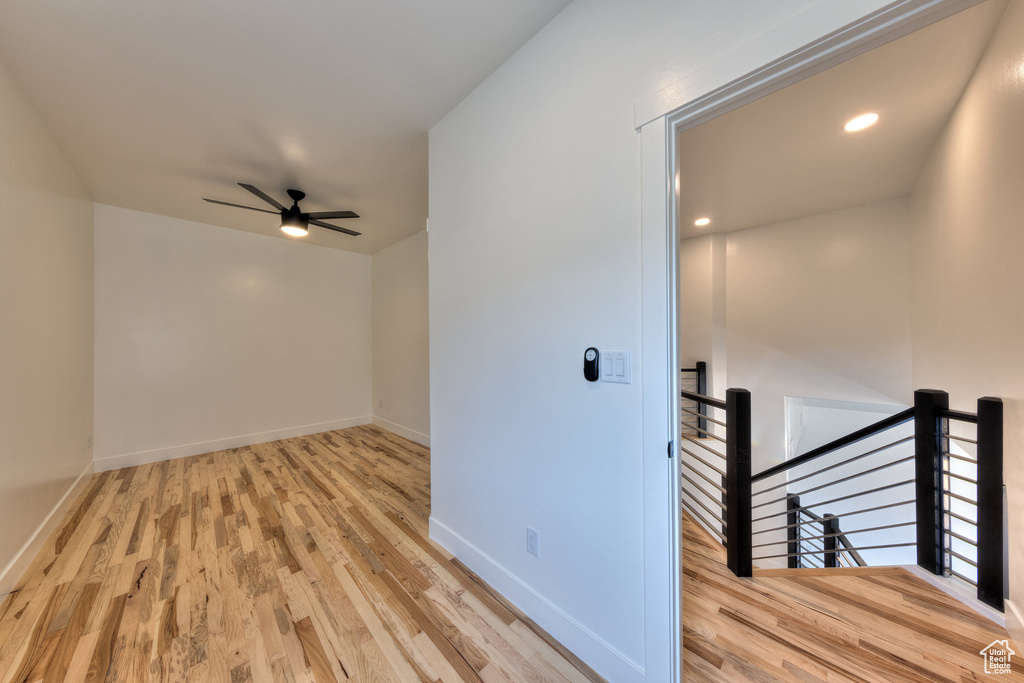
293	217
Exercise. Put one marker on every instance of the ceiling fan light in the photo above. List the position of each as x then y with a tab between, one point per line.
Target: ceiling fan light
294	223
294	230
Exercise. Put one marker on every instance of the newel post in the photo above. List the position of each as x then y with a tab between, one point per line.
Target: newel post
829	529
929	436
702	389
793	531
992	579
738	485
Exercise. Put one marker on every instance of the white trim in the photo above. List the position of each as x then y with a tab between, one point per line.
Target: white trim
22	560
586	645
114	462
662	552
1015	624
405	432
717	87
960	591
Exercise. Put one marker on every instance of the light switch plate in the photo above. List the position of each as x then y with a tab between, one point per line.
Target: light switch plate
615	367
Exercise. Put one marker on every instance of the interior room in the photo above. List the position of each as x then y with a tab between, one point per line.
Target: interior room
296	300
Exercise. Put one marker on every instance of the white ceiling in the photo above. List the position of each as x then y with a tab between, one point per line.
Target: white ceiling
158	104
786	156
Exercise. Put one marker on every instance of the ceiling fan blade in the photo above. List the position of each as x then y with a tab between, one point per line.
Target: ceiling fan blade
313	221
333	214
264	196
239	206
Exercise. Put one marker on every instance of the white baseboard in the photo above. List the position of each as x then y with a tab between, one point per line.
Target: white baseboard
113	462
599	655
19	564
1015	624
404	432
960	591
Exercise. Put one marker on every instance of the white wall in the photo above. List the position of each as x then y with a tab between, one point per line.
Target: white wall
535	255
401	358
819	307
208	338
702	308
968	322
696	301
46	327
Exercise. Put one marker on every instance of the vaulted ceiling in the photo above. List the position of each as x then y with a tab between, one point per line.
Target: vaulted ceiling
158	104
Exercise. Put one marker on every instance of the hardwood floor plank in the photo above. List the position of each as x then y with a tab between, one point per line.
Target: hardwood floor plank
303	560
72	523
874	625
72	633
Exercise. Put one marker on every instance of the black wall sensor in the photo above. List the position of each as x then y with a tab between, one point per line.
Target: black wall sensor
591	362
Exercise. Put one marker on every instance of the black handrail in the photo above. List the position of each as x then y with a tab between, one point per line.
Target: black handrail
851	438
701	398
850	550
957	415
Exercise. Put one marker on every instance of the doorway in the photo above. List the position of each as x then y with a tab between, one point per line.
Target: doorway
663	224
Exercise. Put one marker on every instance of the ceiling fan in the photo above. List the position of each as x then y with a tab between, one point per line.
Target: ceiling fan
293	221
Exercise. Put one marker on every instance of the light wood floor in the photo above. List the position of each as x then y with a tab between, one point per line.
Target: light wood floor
883	625
298	560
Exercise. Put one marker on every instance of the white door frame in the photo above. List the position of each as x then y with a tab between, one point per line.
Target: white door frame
689	102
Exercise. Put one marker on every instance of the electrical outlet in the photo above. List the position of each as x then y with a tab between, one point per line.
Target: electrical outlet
380	403
532	541
90	441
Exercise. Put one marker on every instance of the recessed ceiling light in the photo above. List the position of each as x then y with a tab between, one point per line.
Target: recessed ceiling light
701	222
860	122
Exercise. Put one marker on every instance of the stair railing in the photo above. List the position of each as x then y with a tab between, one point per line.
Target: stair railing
694	418
719	456
832	545
876	481
937	487
960	494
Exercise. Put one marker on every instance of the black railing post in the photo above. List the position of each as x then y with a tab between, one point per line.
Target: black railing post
793	531
928	448
992	577
738	486
702	388
829	529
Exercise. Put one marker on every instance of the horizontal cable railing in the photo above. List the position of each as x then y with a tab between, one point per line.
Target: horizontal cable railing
704	462
924	484
865	477
843	441
832	545
964	528
960	490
